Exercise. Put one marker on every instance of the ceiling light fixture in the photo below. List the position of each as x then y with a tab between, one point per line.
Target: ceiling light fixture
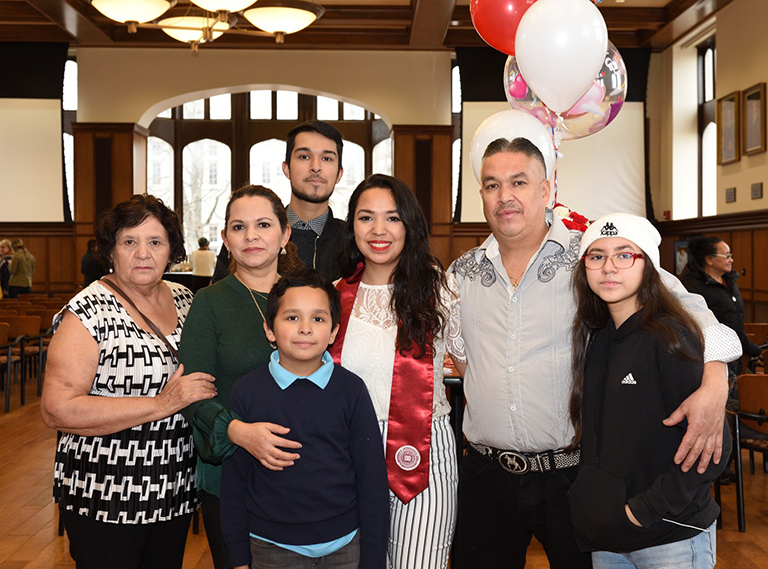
132	12
194	29
223	5
281	17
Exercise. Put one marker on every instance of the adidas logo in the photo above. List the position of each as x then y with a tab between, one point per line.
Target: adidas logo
609	229
628	380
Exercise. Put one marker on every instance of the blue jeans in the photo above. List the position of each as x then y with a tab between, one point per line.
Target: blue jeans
698	552
267	555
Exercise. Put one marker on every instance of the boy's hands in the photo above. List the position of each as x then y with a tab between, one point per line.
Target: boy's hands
262	440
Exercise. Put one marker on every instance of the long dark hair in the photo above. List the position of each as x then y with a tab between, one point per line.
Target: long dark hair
418	277
285	263
661	309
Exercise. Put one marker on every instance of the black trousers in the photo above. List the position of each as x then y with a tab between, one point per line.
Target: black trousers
499	512
15	291
98	545
212	522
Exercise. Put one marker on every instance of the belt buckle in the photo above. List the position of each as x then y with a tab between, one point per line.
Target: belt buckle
514	462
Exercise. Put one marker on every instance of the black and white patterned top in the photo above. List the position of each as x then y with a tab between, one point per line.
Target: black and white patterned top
141	475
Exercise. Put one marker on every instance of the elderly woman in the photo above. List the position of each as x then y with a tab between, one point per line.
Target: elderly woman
125	476
6	255
22	267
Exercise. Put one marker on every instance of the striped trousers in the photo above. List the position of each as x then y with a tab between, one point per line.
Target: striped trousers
421	531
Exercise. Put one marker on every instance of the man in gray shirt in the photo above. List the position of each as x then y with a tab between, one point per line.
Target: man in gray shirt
516	310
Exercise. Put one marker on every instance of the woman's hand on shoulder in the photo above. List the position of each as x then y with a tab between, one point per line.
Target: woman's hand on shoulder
183	390
262	440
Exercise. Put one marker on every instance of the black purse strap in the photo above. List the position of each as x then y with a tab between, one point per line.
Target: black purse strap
151	324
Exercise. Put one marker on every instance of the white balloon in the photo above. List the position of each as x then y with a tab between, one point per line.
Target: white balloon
511	124
560	47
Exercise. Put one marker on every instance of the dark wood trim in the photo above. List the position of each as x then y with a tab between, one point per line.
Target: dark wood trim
726	222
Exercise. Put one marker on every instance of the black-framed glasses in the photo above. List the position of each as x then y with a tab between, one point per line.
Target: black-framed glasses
728	256
625	260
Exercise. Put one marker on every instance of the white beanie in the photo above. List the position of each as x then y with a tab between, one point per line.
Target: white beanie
631	227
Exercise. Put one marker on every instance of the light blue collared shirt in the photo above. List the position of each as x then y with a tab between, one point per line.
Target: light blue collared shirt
284	379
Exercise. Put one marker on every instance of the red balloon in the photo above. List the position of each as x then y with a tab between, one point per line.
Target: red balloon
496	21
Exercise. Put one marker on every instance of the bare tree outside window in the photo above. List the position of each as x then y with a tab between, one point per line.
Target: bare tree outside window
205	199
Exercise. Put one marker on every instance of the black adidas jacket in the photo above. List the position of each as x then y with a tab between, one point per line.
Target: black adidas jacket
631	384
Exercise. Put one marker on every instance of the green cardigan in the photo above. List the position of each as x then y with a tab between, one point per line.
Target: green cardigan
224	336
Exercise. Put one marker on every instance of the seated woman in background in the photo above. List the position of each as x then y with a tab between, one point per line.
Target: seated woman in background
124	473
710	273
637	355
203	262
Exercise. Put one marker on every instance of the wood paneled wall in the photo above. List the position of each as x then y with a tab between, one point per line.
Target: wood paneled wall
747	235
52	245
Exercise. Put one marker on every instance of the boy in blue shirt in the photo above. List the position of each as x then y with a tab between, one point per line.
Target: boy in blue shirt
333	503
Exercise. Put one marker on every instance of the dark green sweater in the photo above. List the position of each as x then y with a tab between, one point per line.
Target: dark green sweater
224	336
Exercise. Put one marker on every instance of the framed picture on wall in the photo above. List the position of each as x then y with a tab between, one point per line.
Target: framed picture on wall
681	256
753	119
728	138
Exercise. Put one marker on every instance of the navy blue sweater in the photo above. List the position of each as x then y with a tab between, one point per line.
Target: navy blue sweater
339	483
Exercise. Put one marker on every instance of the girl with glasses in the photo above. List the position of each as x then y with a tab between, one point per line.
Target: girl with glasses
637	356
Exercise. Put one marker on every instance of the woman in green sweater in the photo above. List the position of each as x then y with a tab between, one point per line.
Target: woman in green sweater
224	336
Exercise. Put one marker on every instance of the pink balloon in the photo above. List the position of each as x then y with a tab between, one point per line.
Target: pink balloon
589	102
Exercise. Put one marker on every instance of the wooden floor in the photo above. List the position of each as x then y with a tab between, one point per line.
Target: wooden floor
29	522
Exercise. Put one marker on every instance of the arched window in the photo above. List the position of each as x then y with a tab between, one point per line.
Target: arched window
266	160
205	196
353	161
160	170
382	157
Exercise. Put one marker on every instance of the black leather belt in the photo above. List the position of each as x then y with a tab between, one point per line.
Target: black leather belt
523	462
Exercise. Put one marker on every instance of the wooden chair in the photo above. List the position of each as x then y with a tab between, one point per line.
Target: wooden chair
46	331
4	312
23	308
753	403
759	329
26	331
33	296
8	360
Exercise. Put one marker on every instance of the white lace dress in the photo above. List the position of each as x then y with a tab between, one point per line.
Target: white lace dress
422	530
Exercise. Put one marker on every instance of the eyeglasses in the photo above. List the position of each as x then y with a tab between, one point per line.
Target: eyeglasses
625	260
728	256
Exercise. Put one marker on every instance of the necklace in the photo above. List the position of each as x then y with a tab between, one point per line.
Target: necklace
515	281
253	297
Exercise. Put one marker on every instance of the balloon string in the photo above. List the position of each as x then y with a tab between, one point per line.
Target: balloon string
556	145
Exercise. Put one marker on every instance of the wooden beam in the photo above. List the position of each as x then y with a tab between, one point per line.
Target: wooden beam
430	23
72	21
682	17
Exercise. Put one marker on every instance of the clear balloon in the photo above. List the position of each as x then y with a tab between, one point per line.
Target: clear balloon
496	21
592	112
601	103
511	124
560	46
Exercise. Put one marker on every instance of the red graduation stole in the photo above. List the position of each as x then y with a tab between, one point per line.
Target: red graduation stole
409	429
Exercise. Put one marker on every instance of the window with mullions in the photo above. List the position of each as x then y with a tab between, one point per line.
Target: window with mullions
212	165
707	128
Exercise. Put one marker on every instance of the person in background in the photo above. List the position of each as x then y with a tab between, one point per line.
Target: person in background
637	355
224	336
203	264
90	266
124	475
709	272
395	306
21	269
331	508
313	165
6	254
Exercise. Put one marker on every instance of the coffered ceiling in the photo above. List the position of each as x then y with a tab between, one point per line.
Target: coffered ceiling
346	24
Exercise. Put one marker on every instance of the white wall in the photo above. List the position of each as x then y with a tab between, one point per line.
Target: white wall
597	174
31	160
134	85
